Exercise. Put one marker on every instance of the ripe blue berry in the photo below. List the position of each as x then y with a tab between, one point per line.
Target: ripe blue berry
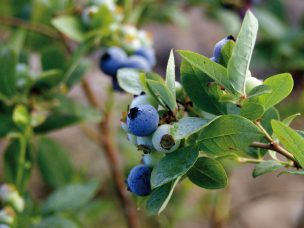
137	62
138	180
112	60
142	120
218	47
148	53
163	141
144	99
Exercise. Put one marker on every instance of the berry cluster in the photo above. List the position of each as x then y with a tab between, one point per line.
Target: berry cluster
11	203
149	128
116	58
126	46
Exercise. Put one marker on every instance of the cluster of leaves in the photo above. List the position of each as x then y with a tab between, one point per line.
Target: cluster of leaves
225	121
32	104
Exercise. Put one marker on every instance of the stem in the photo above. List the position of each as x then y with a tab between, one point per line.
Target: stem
267	136
35	27
21	163
273	145
105	141
277	148
112	154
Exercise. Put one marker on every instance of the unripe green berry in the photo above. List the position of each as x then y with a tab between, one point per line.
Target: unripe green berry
252	82
163	141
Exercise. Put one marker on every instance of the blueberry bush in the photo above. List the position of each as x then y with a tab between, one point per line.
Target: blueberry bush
184	130
222	112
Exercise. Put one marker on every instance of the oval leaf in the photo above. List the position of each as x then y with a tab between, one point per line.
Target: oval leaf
290	139
173	166
229	133
281	86
266	167
208	173
186	127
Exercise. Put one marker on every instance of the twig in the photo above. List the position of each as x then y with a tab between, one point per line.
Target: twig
277	148
105	141
273	145
35	27
112	152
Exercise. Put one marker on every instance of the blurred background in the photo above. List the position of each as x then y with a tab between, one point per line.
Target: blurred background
263	202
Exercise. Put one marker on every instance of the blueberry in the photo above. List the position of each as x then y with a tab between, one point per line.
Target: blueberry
144	99
112	60
163	141
252	82
218	47
148	53
137	62
138	180
142	120
145	144
152	159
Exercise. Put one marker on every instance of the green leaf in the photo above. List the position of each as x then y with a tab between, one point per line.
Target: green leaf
70	197
53	58
160	197
294	172
195	84
259	90
226	52
57	121
11	162
7	124
252	111
68	112
173	166
70	26
205	65
48	80
170	75
57	221
186	127
8	86
289	119
241	55
54	163
77	73
162	93
208	173
290	139
130	80
228	134
16	41
281	86
266	167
